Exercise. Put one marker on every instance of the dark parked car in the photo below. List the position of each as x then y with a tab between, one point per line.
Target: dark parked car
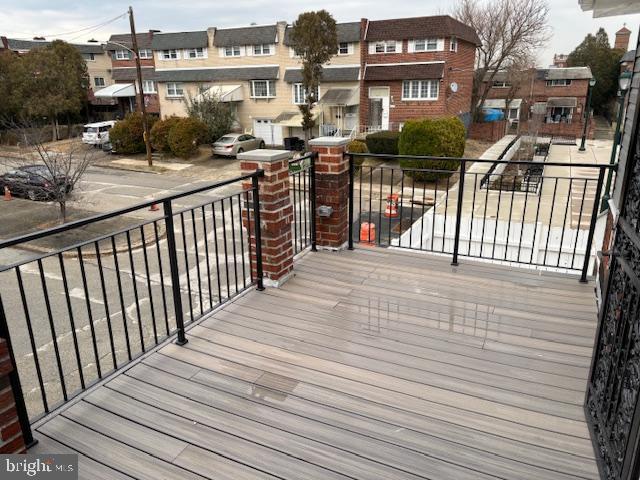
34	182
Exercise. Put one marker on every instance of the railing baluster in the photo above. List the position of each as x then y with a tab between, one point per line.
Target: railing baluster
149	290
433	217
456	238
295	215
186	266
389	217
233	243
473	208
161	273
205	235
244	270
123	310
106	305
72	323
575	244
173	267
506	244
194	234
564	221
226	255
312	193
85	287
495	231
535	224
258	229
134	282
215	243
553	204
524	217
592	226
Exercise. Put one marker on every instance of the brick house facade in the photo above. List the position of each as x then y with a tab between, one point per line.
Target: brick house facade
123	67
561	93
425	70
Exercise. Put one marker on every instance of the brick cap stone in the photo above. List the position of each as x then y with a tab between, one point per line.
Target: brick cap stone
263	155
329	141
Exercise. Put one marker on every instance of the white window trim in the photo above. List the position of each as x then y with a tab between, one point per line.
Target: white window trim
162	53
92	57
148	54
186	53
505	84
95	84
453	43
349	49
411	47
122	54
387	44
270	93
550	83
304	96
175	87
223	51
148	92
251	50
422	99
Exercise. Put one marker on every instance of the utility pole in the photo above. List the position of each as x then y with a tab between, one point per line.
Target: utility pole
140	93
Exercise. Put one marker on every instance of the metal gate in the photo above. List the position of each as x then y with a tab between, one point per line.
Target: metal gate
611	404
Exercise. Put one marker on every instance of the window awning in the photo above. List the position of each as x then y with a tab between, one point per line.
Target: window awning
117	90
501	103
341	97
292	119
225	93
570	102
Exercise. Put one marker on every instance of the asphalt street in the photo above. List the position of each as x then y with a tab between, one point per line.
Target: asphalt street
115	307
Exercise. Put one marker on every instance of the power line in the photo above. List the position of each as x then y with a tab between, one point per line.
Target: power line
98	27
85	30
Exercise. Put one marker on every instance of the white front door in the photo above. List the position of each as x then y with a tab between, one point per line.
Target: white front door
271	133
379	97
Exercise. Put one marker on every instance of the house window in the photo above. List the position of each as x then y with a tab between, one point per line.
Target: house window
263	88
501	84
145	54
170	54
192	53
233	51
453	44
264	49
99	82
420	89
174	90
565	82
122	55
148	86
427	45
343	48
388	46
300	94
89	57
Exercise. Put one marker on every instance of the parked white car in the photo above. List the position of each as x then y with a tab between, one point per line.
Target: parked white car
97	133
232	144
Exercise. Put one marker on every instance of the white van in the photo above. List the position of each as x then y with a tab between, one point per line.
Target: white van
97	133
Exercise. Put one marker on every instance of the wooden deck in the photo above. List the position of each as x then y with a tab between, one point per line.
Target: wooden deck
369	365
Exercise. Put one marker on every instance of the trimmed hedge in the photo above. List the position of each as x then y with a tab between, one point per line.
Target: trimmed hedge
160	133
441	137
384	141
357	146
185	137
127	135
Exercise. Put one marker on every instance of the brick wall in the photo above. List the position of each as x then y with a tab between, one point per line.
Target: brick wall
489	131
458	68
11	440
561	129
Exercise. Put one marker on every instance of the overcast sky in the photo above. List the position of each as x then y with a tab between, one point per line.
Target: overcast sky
28	18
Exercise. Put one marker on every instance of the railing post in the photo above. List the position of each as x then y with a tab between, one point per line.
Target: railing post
456	238
175	276
16	388
351	177
312	193
592	225
257	230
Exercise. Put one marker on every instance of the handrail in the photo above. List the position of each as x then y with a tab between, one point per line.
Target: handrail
115	213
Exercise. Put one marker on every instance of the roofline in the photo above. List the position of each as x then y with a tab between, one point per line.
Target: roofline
226	67
402	63
349	65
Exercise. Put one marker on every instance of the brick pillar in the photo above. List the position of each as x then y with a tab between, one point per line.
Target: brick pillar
332	189
11	440
276	213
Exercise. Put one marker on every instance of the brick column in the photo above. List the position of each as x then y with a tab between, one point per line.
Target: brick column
332	189
11	440
276	213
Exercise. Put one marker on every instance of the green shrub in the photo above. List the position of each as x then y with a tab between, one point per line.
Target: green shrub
440	137
160	133
185	136
383	142
357	146
127	135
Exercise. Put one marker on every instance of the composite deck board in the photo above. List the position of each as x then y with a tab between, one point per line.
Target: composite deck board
365	365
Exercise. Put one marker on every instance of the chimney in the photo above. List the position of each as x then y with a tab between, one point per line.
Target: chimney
560	60
622	39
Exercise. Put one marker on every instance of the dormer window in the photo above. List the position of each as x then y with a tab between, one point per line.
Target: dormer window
426	45
343	48
145	54
564	82
122	54
170	55
263	49
385	46
193	53
232	51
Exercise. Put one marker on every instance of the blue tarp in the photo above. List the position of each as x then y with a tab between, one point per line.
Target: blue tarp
492	114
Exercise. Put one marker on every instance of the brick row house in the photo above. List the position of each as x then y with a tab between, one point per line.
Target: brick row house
549	101
414	68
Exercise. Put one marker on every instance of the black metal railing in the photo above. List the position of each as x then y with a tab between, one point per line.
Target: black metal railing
302	187
445	212
88	307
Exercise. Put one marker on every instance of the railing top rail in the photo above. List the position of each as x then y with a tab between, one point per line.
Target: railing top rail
484	160
106	216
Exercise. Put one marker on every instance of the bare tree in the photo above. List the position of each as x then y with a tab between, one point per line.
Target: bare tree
40	171
509	31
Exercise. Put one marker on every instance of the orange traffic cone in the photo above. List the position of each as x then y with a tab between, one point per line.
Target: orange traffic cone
391	211
154	207
7	194
368	234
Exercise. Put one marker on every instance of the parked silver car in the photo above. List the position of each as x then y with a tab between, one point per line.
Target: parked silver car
233	143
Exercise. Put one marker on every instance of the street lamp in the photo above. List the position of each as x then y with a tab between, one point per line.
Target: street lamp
587	114
624	82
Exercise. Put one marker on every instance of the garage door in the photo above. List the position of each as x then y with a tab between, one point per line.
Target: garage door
271	133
